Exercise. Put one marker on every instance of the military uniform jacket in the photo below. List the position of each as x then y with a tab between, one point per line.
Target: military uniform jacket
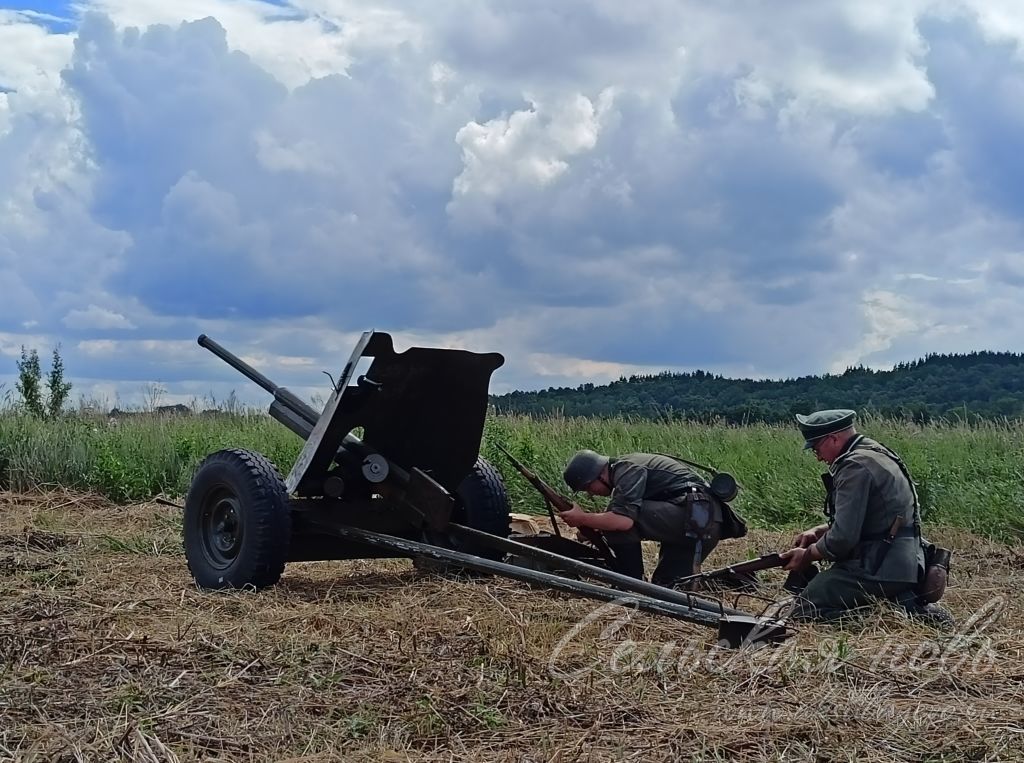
867	491
651	489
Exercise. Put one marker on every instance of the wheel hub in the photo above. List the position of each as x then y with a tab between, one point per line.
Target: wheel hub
222	530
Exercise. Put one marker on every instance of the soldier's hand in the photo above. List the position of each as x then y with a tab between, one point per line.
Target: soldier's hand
805	539
573	517
795	558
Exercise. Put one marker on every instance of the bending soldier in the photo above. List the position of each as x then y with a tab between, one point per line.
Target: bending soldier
653	497
873	533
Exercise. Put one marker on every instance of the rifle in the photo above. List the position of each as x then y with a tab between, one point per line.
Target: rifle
554	500
766	562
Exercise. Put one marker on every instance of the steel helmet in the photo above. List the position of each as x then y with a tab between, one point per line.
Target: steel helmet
583	468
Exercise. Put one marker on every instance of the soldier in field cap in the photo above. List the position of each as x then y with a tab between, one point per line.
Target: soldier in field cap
823	423
873	533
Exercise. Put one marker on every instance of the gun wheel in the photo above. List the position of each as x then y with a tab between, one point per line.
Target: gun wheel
482	503
237	521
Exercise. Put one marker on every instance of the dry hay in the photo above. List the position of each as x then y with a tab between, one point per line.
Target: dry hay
108	652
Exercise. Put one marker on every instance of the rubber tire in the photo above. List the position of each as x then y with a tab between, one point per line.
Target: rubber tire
481	502
254	487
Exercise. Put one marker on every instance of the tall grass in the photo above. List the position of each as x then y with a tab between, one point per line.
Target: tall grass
136	458
969	476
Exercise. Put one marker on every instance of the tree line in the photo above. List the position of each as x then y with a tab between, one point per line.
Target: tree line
975	385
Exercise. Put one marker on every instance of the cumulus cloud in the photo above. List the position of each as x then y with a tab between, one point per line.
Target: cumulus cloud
584	186
95	317
507	159
889	317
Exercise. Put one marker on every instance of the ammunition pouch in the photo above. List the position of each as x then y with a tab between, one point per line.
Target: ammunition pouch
932	584
701	506
700	513
733	525
701	502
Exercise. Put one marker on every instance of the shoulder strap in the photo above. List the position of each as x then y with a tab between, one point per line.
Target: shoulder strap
877	447
694	464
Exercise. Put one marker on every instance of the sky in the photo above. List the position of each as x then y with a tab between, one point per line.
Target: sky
592	188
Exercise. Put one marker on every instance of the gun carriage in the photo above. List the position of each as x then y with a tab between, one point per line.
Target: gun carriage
410	484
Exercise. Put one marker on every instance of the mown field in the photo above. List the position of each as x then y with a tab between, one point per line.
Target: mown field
109	653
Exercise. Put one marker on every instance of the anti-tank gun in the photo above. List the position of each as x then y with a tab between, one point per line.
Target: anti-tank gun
424	408
411	485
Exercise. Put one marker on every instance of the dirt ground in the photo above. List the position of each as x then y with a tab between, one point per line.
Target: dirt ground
108	652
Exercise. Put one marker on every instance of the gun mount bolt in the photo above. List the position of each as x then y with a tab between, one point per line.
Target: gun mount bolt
375	468
334	486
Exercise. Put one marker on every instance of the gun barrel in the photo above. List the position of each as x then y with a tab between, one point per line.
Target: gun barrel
298	415
237	363
302	425
283	395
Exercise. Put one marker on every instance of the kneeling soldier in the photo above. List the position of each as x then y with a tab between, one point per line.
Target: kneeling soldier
873	533
653	497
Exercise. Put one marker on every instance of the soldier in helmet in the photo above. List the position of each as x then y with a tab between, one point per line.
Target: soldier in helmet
653	497
873	533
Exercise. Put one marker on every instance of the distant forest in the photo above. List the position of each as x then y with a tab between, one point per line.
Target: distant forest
977	385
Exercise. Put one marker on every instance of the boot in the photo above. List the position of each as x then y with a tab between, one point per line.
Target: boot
934	615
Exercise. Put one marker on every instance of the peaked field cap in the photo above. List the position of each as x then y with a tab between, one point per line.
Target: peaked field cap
819	424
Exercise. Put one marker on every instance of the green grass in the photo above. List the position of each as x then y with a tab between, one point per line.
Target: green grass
135	459
969	476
